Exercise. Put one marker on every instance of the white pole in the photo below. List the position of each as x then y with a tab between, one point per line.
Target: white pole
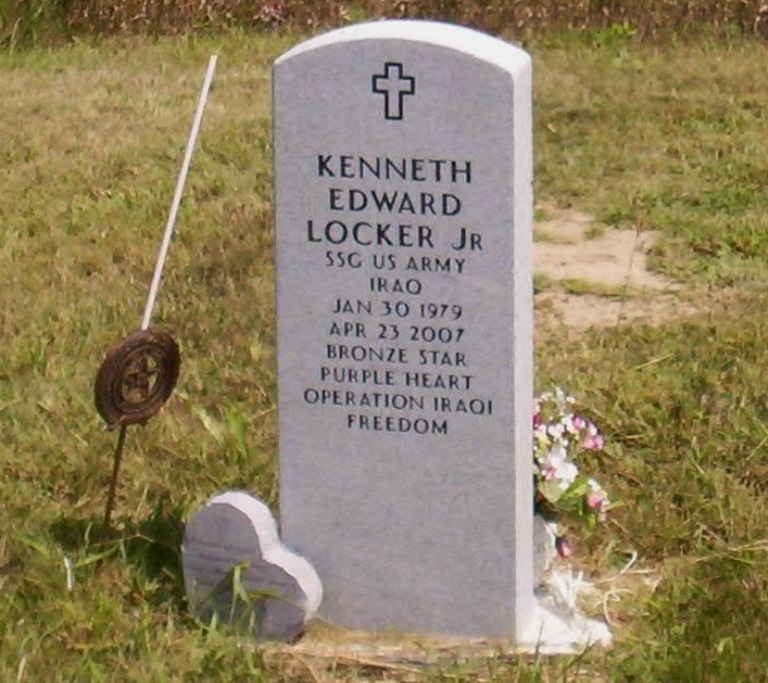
161	257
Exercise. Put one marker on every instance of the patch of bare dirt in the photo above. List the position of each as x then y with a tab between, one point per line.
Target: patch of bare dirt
607	266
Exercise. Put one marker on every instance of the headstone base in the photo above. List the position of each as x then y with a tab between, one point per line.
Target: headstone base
553	631
559	632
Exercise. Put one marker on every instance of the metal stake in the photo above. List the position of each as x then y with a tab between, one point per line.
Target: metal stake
161	258
118	457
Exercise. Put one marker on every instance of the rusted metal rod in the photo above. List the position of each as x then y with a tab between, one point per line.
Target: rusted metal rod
118	457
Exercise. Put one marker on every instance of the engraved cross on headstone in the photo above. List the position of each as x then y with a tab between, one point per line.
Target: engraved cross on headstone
394	86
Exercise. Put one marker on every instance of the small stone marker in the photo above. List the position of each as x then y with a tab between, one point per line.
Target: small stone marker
235	534
403	211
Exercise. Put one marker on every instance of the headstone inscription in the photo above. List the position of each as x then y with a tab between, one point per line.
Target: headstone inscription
403	211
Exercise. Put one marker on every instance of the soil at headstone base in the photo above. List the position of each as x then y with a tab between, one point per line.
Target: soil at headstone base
606	266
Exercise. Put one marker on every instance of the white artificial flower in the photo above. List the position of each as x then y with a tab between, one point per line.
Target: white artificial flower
556	430
557	466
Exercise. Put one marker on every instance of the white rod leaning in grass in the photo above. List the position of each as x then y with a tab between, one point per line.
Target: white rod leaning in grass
193	133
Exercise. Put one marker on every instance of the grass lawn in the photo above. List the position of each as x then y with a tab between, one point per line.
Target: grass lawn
668	137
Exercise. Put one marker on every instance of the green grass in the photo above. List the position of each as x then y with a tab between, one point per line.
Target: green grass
575	285
668	144
669	137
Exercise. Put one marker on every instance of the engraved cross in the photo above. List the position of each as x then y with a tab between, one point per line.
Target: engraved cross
394	86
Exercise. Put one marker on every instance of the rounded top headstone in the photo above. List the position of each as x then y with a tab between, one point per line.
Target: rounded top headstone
403	223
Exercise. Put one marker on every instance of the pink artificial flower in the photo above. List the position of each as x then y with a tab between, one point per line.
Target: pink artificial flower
579	422
593	439
593	443
563	547
595	500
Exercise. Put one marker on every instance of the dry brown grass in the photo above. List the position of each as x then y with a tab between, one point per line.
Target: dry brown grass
29	21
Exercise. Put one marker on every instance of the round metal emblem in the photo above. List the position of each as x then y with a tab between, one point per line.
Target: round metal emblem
137	377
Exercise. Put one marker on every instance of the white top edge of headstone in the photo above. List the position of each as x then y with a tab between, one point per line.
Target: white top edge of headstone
469	41
272	549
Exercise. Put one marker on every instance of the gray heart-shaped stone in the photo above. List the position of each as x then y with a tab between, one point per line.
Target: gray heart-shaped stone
236	568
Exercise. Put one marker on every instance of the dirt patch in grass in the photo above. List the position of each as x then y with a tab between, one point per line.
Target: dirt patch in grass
591	275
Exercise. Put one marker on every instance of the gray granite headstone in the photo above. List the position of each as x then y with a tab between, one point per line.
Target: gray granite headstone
403	212
235	567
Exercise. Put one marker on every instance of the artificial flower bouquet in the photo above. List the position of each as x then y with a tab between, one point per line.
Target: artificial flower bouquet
562	442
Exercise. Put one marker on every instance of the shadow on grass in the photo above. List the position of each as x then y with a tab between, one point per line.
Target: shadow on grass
151	547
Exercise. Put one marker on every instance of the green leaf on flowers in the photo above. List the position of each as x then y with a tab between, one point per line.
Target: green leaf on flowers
579	488
551	490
